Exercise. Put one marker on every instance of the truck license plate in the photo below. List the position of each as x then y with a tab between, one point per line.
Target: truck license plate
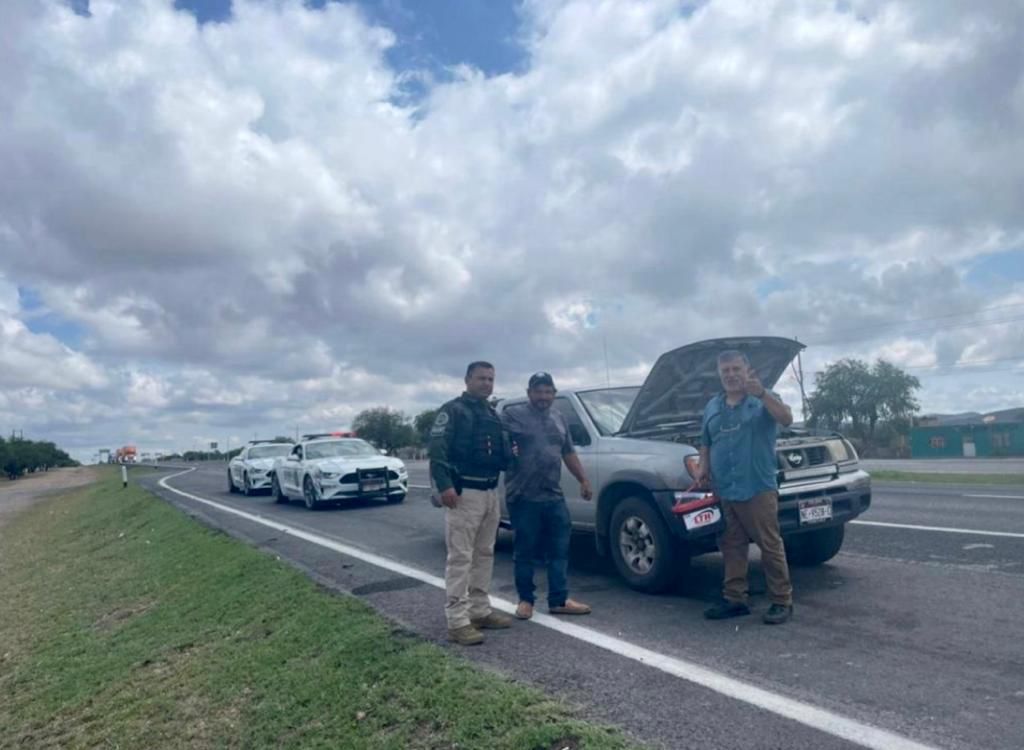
815	511
373	485
701	518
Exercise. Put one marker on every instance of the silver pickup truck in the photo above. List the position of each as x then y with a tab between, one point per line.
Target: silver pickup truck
639	447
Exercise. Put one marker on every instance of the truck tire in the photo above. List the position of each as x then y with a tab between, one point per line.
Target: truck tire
815	547
642	547
231	484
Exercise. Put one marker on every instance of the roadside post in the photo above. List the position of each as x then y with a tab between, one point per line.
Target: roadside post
124	476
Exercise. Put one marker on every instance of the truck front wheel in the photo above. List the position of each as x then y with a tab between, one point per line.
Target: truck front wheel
642	547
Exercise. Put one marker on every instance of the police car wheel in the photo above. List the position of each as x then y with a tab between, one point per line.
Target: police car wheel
396	499
815	547
231	484
246	486
275	490
642	547
309	494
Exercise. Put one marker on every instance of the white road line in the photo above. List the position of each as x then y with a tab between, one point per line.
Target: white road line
820	719
945	529
1000	497
419	486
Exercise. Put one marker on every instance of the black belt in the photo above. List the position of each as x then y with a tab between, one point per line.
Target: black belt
479	484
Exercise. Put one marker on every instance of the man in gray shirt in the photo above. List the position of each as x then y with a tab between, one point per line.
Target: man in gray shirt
540	444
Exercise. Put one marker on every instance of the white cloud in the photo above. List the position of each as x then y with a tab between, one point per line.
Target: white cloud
38	360
251	233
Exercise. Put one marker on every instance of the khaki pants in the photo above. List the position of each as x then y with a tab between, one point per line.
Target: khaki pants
469	531
754	520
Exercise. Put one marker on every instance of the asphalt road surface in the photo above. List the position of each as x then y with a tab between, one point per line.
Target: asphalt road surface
947	465
917	632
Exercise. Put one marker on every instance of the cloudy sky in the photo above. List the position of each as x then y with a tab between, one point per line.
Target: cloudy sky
225	219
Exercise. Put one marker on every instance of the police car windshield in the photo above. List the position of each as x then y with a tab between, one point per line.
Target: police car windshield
340	449
270	451
608	407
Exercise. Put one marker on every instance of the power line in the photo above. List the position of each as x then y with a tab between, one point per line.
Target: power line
962	313
978	366
966	372
964	363
870	337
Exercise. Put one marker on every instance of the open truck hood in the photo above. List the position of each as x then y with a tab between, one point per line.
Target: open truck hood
683	380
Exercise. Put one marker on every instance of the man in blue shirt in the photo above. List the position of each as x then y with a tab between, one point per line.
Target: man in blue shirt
738	456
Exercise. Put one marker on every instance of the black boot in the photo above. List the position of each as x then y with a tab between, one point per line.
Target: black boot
726	609
778	614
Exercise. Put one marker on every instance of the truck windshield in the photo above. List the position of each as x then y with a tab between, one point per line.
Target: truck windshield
608	407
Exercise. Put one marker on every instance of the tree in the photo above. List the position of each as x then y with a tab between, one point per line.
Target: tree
895	393
18	456
849	391
423	422
384	427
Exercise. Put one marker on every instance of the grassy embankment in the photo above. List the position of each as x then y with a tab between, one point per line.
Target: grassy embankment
125	624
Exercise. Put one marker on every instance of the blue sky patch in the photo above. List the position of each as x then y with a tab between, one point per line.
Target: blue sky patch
770	286
206	10
431	35
41	320
996	269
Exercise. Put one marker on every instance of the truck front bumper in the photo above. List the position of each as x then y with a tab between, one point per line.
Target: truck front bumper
848	495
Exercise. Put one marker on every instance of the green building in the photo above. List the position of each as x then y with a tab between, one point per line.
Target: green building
999	433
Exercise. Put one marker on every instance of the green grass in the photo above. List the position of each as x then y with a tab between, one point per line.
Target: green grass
936	478
125	624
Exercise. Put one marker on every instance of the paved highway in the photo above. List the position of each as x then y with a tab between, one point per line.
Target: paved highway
908	638
1008	465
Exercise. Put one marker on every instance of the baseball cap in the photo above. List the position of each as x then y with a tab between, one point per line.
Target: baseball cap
541	378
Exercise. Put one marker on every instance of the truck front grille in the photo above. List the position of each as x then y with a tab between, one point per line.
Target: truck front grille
803	458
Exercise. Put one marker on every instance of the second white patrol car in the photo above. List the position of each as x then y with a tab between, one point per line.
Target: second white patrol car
249	471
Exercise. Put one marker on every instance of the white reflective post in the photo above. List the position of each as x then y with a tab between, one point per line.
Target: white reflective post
124	476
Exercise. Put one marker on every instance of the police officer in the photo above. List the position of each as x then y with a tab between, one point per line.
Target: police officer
467	453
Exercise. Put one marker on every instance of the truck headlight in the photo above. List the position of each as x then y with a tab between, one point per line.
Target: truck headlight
693	465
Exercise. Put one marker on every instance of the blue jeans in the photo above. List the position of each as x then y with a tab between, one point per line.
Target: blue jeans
543	529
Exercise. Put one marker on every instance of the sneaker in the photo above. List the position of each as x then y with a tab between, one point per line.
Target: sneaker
524	610
726	609
467	635
570	608
778	614
493	621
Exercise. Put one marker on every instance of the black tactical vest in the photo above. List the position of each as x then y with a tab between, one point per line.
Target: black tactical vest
481	449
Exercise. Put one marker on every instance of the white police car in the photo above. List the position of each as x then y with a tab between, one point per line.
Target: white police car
249	471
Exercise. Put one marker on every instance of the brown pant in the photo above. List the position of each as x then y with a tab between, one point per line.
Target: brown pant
754	520
469	531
